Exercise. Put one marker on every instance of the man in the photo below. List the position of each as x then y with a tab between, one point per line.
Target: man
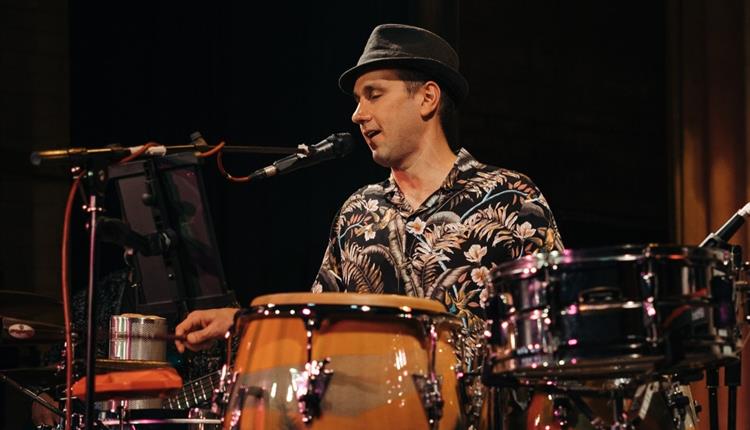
442	220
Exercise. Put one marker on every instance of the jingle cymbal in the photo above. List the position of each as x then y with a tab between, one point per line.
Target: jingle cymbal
47	376
25	305
109	365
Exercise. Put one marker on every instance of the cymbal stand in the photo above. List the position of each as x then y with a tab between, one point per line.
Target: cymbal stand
32	395
712	383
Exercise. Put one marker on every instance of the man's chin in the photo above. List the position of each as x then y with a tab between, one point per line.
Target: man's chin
378	158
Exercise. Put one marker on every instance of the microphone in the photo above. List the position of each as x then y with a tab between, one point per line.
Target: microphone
728	230
337	145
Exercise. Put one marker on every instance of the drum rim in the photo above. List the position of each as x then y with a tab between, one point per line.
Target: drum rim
529	264
393	301
156	421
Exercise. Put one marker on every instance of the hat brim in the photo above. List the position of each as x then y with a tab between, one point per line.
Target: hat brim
451	81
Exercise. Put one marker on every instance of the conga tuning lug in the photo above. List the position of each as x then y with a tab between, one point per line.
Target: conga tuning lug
432	401
242	393
310	387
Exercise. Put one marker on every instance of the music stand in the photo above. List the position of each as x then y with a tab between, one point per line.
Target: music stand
177	264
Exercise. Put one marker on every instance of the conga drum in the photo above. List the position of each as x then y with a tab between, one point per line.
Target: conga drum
337	360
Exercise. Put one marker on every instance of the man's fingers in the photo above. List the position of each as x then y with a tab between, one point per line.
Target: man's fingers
192	321
201	346
200	328
196	337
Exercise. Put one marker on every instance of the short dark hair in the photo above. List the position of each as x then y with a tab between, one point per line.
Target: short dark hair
447	111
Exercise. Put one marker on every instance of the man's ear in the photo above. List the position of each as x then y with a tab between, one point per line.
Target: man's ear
431	95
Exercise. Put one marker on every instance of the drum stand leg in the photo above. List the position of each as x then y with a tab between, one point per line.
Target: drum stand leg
618	408
582	407
732	378
495	405
121	415
712	383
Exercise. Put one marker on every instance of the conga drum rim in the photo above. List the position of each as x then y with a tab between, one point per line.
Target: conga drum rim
373	300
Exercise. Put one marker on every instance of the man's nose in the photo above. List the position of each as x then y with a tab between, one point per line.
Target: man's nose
359	116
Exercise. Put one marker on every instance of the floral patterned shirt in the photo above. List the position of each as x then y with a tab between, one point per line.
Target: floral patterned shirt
446	248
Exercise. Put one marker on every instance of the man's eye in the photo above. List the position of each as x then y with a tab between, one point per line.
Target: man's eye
374	95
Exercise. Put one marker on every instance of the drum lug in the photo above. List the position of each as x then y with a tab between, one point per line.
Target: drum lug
310	387
221	394
432	401
243	392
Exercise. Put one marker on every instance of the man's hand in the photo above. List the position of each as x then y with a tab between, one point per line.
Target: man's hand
201	328
42	416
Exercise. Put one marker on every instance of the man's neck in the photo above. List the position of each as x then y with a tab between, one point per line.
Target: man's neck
425	172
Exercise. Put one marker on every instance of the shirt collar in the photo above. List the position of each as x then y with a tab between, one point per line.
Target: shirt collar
464	166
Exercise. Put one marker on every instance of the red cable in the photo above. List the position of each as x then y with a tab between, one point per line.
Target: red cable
212	151
66	302
138	153
220	164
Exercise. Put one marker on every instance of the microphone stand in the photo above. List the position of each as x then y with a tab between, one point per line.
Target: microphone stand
96	186
93	162
114	152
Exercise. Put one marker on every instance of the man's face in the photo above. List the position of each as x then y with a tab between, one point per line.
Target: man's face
388	116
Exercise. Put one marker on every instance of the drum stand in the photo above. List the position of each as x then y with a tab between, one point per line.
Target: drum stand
732	378
712	383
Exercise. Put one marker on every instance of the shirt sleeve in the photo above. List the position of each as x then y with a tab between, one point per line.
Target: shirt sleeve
536	227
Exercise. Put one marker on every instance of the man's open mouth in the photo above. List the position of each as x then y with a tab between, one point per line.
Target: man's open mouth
371	133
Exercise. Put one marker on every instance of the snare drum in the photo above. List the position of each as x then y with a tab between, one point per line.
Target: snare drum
336	361
610	312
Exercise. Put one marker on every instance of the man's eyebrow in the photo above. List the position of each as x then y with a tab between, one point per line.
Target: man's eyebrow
366	89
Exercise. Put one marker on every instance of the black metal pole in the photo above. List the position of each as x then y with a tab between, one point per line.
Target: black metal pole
90	325
32	395
732	379
712	382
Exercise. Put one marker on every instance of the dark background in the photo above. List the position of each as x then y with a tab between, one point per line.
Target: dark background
574	94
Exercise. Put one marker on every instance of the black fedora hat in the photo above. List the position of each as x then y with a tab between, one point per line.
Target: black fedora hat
408	47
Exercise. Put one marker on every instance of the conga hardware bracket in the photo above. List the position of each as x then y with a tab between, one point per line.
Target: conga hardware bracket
310	384
310	387
429	385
